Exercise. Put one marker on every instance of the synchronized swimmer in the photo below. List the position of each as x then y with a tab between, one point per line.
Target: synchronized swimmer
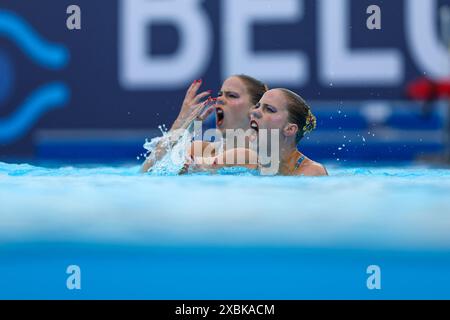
246	104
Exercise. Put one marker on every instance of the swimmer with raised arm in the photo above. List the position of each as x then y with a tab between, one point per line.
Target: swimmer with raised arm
284	111
236	97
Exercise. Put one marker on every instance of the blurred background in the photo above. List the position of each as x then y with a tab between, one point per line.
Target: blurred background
95	94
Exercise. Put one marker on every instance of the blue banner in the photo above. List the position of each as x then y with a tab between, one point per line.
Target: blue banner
129	63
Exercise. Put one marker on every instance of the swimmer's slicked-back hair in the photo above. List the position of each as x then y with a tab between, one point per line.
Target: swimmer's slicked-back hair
255	88
299	113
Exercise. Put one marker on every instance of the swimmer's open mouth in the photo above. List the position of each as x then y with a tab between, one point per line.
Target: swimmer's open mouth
219	116
254	125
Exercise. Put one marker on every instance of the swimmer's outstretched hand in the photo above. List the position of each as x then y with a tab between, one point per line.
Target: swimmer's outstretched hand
205	109
199	112
190	102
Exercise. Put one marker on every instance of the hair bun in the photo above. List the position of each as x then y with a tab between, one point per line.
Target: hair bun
311	123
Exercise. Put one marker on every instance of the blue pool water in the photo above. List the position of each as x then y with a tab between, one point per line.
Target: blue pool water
224	236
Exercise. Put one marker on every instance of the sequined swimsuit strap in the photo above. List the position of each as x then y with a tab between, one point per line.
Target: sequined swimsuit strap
299	162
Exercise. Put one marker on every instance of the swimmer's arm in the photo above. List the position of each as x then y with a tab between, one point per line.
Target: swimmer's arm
174	135
239	157
190	110
199	149
159	152
161	149
236	157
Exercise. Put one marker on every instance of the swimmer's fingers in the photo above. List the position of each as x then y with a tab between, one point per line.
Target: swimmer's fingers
200	96
205	108
187	102
200	107
193	114
199	112
206	113
196	110
192	99
189	91
192	91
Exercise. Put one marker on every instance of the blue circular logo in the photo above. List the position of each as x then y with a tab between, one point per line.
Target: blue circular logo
6	76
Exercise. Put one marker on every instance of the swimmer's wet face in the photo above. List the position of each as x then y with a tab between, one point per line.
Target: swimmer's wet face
271	113
233	104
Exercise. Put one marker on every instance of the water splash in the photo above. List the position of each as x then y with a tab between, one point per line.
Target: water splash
174	146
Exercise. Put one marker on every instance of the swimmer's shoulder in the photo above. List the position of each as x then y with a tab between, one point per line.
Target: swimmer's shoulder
198	148
311	168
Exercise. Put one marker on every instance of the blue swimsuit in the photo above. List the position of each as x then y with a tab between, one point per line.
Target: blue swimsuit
299	162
